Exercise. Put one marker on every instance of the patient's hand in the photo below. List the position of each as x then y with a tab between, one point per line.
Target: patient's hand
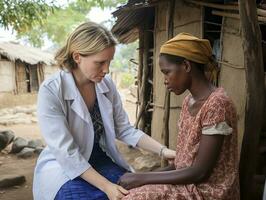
130	180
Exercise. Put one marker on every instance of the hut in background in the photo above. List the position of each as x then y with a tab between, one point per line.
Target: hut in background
22	70
155	21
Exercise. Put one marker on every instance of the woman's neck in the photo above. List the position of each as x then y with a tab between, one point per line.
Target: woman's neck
201	88
80	79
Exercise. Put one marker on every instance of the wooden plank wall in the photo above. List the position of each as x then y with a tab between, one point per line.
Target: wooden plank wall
21	77
186	19
232	75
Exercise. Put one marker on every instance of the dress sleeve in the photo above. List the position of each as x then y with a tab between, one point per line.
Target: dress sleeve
221	128
214	119
55	130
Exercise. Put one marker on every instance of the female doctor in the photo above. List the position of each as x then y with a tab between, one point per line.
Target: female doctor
80	115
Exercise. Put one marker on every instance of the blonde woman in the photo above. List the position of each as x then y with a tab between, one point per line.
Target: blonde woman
80	115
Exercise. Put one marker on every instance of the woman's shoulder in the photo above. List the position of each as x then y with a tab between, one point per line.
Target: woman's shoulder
220	97
56	83
55	77
219	101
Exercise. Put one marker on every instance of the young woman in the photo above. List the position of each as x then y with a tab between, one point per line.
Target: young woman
80	115
206	163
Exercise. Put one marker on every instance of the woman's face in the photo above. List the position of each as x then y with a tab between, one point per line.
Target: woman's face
96	66
176	76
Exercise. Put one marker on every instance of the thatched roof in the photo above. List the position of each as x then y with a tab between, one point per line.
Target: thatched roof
30	55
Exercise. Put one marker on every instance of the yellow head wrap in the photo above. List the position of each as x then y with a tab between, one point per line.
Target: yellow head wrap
191	48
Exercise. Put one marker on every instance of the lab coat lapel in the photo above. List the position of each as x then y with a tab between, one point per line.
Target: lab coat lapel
71	93
106	108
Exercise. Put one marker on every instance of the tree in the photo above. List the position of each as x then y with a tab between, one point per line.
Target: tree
23	15
36	20
62	21
124	53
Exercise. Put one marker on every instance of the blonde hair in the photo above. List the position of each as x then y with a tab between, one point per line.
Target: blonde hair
87	39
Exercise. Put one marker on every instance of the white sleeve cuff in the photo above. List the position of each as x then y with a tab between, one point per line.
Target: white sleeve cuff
221	128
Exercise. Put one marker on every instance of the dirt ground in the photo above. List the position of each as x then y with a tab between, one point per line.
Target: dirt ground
10	164
13	165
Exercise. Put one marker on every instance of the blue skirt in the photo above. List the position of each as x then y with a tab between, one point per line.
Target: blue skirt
79	189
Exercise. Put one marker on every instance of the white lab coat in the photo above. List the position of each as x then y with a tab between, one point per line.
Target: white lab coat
67	128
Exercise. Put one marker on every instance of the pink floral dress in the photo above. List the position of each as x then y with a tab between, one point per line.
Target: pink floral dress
223	184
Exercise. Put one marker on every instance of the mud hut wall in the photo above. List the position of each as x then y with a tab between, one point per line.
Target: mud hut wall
186	19
7	76
18	95
232	76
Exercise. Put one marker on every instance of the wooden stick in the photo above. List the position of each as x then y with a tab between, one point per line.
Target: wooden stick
166	114
214	5
233	15
262	19
150	81
212	23
140	72
260	11
231	65
161	106
213	31
225	14
144	89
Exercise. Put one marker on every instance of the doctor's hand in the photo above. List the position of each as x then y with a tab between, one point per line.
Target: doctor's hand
115	192
169	155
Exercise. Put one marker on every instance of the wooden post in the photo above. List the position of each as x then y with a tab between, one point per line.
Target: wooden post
140	69
255	94
140	122
166	116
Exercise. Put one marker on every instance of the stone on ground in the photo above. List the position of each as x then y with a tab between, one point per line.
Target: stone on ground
35	143
6	137
18	144
38	150
26	153
11	180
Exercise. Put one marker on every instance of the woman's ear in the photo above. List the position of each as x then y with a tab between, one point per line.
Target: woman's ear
76	57
187	66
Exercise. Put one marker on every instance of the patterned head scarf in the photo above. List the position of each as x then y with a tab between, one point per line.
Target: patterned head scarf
194	49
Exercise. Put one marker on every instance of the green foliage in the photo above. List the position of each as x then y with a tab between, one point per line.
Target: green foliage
123	55
62	21
102	3
56	26
37	20
127	80
23	15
